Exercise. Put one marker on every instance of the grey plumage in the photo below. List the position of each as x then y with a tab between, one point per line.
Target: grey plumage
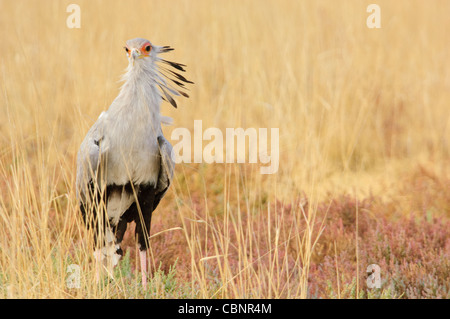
124	161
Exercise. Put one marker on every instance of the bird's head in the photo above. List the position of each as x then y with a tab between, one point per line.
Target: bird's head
138	48
143	55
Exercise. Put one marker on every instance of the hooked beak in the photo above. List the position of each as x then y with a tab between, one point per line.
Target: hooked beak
134	54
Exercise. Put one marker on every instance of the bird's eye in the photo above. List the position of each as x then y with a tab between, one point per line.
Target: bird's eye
126	49
148	48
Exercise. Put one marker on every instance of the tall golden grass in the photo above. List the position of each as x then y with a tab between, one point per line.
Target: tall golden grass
357	109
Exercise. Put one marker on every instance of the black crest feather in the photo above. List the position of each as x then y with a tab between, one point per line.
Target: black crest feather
175	78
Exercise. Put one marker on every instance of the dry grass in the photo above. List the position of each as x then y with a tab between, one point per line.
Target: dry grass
364	126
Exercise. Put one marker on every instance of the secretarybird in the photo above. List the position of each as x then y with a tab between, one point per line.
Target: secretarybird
124	164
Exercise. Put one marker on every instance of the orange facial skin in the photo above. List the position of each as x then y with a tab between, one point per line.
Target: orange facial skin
144	50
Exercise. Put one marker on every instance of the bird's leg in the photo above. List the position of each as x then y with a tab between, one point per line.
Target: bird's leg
108	255
143	239
143	244
119	230
143	260
143	224
109	250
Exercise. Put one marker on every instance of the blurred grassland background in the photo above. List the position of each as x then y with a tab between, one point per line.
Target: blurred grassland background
364	123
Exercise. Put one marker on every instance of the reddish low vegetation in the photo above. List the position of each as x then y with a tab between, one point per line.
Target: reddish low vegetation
408	237
413	252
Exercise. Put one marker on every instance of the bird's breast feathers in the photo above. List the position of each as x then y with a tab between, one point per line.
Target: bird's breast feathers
132	147
136	160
